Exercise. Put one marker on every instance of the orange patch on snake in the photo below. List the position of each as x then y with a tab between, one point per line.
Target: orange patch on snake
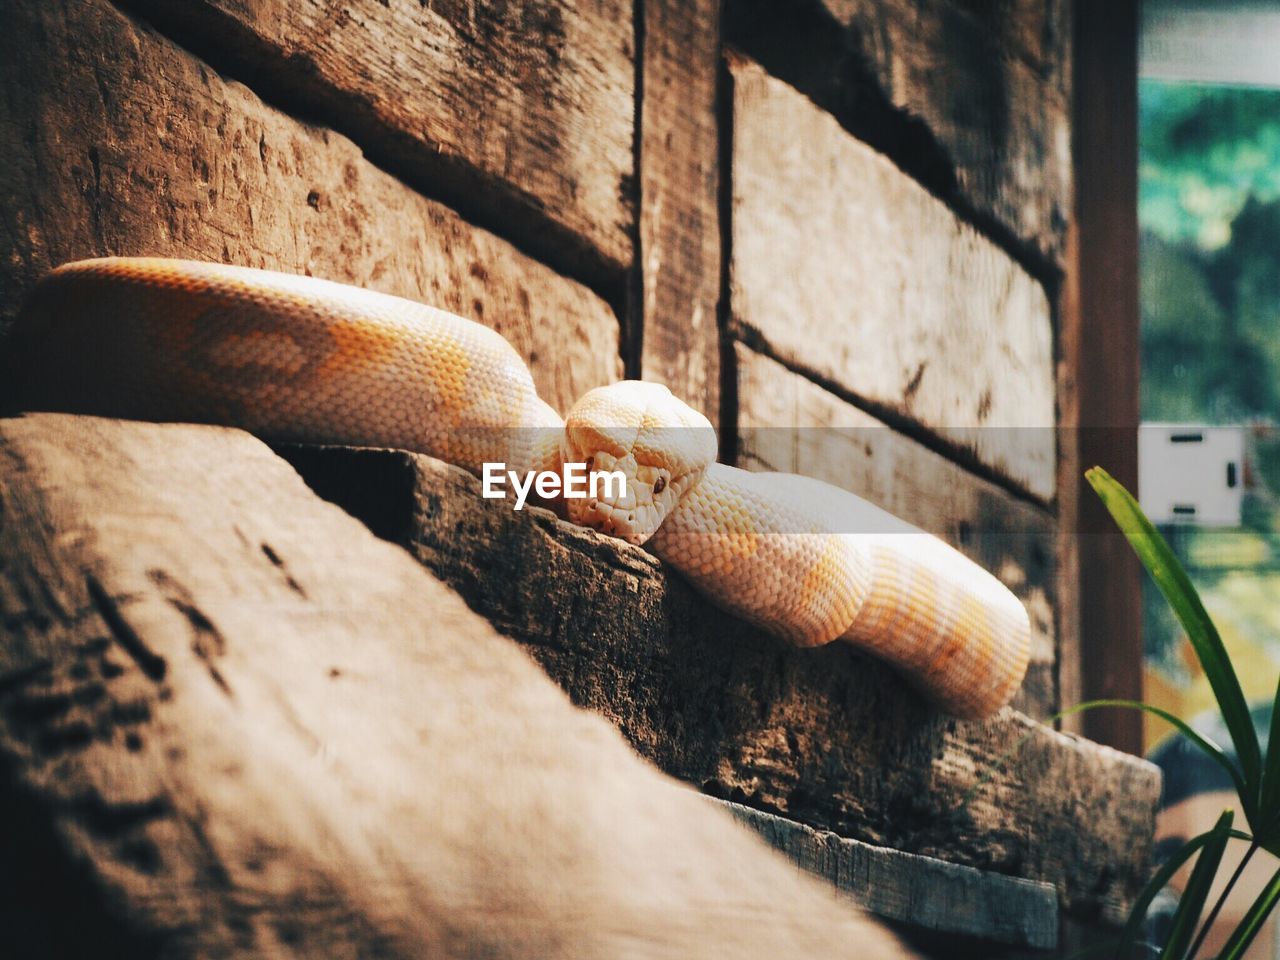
447	369
259	348
735	546
899	617
923	600
824	580
970	618
174	322
735	536
359	346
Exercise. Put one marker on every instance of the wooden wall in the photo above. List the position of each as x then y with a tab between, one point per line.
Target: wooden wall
838	227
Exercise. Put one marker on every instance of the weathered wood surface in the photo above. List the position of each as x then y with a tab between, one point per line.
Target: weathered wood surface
974	99
787	423
1101	360
679	253
234	723
924	893
847	268
520	115
826	737
126	145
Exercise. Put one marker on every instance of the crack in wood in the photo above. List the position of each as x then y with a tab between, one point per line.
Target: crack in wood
208	641
148	661
16	680
962	456
59	711
278	562
108	820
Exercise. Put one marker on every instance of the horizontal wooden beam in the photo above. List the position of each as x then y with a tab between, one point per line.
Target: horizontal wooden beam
970	99
520	117
235	723
924	895
848	270
825	737
128	145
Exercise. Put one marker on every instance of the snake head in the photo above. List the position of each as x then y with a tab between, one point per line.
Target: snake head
659	444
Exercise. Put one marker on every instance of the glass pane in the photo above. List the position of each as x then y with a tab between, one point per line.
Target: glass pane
1209	213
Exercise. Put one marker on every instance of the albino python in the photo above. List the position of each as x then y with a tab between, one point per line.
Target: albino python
296	358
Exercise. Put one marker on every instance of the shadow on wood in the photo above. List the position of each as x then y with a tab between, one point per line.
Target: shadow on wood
235	723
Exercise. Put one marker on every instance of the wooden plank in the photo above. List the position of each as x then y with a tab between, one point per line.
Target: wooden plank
993	83
235	723
973	99
1100	356
679	253
519	116
1032	32
923	894
127	145
787	423
824	736
845	267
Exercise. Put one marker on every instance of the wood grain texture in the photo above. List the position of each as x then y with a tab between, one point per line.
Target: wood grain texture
787	423
679	254
826	737
1100	367
845	267
924	894
521	115
993	82
129	146
972	98
233	723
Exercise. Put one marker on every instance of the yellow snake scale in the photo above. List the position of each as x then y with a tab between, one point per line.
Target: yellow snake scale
296	358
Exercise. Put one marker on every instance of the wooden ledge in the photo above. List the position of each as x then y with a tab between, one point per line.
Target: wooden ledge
233	723
929	898
824	737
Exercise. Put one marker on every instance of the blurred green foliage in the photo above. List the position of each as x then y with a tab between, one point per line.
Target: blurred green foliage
1209	212
1205	150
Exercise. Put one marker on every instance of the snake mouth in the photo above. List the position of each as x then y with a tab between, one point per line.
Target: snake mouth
626	499
657	446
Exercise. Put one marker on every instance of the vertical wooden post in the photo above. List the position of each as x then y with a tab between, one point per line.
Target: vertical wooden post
679	232
1099	371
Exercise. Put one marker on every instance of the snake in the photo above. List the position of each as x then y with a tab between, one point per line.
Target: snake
298	358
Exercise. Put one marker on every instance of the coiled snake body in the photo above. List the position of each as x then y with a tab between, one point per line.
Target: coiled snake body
296	358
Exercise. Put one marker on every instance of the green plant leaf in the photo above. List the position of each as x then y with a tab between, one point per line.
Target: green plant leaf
1191	903
1159	880
1252	921
1176	586
1204	744
1269	832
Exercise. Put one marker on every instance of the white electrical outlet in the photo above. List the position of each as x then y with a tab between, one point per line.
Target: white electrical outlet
1191	474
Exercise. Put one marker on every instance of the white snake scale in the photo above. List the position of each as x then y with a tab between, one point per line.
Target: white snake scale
296	358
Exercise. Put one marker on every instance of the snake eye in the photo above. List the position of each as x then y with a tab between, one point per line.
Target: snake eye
659	485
